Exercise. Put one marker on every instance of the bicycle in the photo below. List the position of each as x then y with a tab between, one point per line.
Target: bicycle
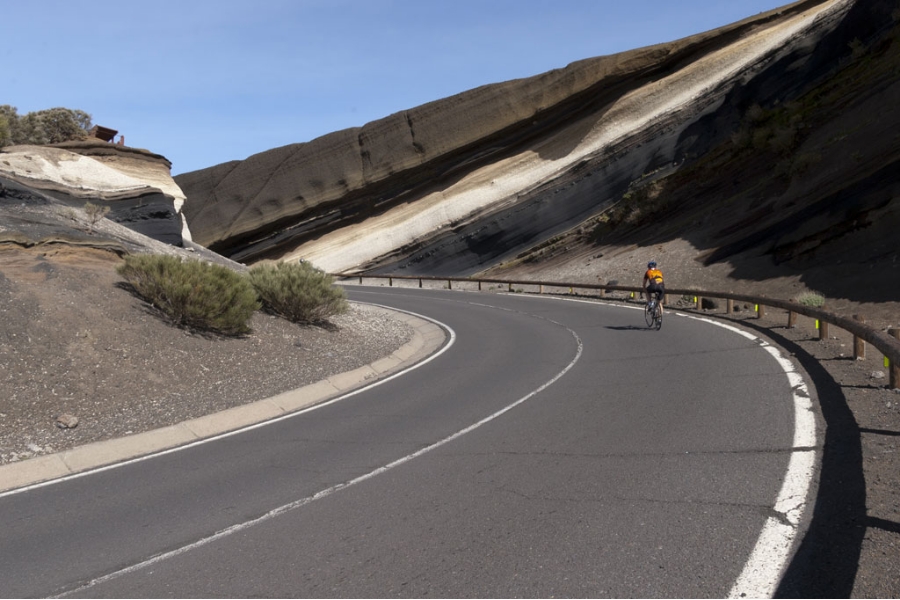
653	314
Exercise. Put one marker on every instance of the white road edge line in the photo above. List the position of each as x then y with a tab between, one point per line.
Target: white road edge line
329	491
450	332
763	570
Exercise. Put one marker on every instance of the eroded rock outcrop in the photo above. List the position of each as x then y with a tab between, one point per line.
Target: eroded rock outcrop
135	184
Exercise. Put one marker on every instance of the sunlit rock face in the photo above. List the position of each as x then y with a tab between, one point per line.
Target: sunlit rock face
463	183
136	185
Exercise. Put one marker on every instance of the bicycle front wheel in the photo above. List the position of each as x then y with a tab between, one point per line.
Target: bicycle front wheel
657	316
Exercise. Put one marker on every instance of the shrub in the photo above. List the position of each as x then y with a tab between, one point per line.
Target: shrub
5	134
857	48
783	140
811	299
94	213
298	291
803	162
193	294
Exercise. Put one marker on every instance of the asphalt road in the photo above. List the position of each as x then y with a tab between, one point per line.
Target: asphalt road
556	448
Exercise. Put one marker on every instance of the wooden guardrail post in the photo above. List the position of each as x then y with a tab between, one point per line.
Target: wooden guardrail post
894	369
760	311
823	329
390	282
859	344
420	282
699	304
540	289
792	319
729	306
360	280
449	284
479	285
510	287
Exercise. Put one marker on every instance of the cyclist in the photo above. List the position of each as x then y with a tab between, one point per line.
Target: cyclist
653	283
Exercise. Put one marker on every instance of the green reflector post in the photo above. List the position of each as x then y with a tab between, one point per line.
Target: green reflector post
887	362
817	324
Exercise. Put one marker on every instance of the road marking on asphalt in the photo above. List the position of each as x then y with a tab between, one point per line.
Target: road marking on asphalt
762	572
336	488
452	339
763	569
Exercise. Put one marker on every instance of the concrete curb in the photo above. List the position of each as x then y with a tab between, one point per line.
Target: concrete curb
427	338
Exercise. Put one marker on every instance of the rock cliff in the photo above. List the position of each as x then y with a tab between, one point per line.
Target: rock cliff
792	184
636	150
135	184
432	166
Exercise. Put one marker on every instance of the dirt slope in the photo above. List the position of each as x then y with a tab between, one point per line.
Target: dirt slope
74	340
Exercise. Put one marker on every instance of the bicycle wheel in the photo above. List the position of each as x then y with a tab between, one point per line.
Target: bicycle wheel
657	316
648	314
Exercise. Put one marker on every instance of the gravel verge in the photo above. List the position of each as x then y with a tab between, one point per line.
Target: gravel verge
74	341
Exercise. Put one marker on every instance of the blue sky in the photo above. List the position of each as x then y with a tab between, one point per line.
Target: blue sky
205	82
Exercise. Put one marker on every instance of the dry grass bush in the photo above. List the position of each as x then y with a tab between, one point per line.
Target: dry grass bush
298	291
94	214
637	205
193	294
811	299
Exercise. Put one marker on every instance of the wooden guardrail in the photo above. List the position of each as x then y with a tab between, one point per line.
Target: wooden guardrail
888	343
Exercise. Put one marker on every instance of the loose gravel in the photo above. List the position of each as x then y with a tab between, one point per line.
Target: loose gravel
74	341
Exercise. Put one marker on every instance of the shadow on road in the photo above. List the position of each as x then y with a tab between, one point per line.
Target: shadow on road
826	562
629	328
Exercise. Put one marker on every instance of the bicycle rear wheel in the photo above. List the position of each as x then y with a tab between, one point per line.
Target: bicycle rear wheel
648	314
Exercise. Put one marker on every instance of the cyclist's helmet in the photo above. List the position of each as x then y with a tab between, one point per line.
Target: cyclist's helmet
651	264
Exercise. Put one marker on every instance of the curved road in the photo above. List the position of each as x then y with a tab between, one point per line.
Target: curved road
555	448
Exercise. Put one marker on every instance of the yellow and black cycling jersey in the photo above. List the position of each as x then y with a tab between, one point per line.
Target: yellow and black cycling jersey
653	275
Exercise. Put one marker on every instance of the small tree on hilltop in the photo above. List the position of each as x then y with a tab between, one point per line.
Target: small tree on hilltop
8	121
63	124
49	126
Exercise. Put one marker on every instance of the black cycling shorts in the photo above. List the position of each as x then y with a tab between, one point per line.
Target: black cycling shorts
658	288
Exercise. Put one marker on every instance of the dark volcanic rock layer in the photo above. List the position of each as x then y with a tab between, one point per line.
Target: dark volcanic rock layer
801	185
134	184
271	203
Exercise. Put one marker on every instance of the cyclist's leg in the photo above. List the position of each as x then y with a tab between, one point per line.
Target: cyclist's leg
653	293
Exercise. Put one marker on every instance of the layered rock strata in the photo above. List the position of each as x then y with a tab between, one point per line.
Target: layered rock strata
136	185
461	183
